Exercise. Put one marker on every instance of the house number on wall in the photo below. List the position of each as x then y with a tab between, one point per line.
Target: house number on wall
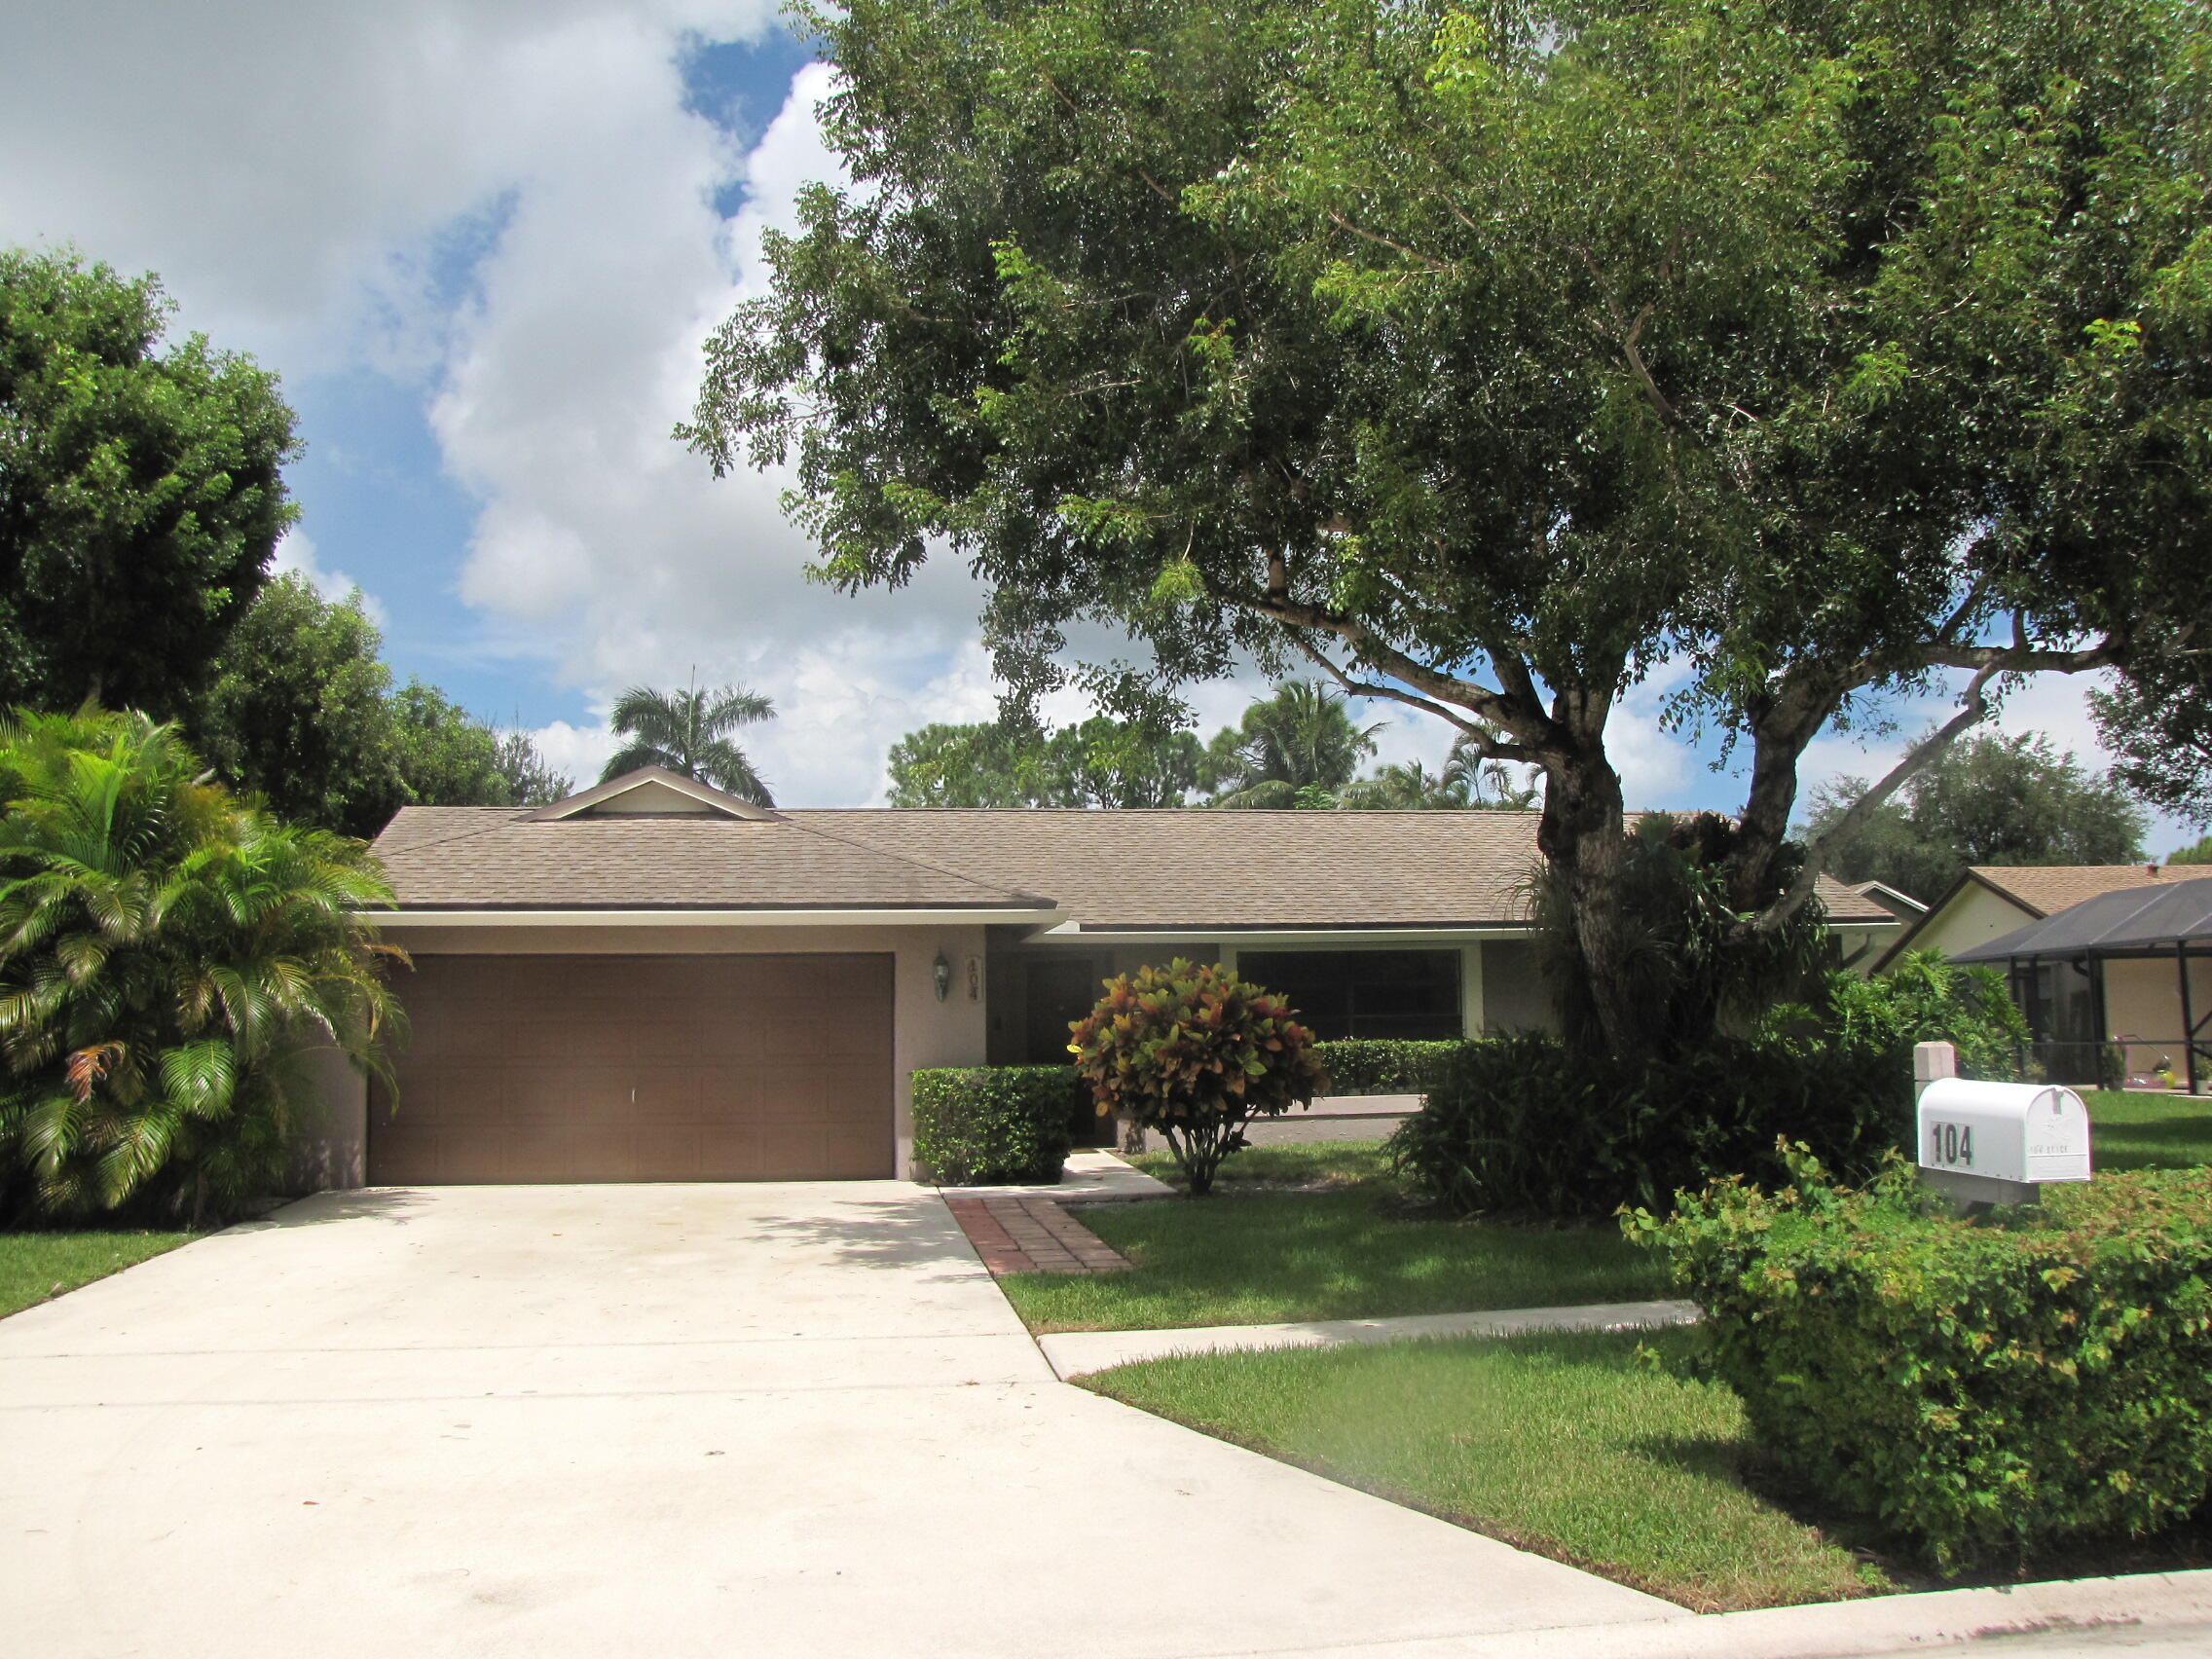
1950	1145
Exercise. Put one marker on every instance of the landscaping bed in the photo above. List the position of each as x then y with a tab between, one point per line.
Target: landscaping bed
1563	1445
1321	1232
37	1266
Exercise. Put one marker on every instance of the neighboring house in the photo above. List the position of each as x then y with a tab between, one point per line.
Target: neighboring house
653	980
1903	905
2117	988
1990	901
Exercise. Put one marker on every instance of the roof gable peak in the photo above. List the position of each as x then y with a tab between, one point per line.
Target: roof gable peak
653	791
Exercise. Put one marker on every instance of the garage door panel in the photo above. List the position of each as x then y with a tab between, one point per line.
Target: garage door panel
640	1069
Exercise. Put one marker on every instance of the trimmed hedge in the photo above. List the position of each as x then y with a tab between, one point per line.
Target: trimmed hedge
1988	1391
1384	1065
1525	1123
983	1126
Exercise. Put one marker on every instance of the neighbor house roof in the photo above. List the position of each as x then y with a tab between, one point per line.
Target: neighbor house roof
2133	919
2039	889
1169	869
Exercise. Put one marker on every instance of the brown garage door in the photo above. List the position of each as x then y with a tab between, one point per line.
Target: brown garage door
639	1068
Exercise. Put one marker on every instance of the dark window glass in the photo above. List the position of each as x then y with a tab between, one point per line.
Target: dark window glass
1413	994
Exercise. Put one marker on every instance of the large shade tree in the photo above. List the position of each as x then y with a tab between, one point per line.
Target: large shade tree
1100	761
1490	357
141	491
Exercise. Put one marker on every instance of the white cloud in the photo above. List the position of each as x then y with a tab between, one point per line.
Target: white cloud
296	554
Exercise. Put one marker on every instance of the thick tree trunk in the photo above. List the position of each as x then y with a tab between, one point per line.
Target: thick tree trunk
1584	839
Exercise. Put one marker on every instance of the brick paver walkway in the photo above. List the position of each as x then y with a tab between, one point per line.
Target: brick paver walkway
1032	1235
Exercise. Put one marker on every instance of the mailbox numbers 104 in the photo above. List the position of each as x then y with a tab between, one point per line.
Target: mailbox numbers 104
1951	1144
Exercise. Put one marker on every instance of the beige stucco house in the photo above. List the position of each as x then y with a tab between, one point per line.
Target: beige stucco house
653	980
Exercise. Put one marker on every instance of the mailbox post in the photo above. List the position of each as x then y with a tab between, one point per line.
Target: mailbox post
1994	1143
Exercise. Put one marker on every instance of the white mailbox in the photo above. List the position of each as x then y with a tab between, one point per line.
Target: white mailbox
2004	1131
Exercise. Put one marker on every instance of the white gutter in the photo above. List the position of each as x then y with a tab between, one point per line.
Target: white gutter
1074	932
697	918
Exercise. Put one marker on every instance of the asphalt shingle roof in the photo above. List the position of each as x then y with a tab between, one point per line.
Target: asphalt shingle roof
2047	889
1150	870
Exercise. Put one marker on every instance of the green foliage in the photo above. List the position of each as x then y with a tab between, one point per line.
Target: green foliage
1383	1065
2200	854
1526	1125
1986	1391
166	957
1808	351
1300	739
302	714
1195	1052
1685	964
687	731
2158	723
1101	762
988	1126
1986	800
1530	1122
1921	998
141	491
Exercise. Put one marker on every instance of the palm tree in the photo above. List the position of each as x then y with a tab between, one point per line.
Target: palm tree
168	957
1407	786
1302	739
1486	786
686	731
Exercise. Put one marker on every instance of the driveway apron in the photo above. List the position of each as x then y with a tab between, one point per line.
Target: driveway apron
759	1420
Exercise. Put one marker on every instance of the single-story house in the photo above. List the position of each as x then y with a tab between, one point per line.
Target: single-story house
1990	901
654	980
2117	987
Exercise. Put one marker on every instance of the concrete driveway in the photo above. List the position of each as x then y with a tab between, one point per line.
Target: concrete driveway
750	1420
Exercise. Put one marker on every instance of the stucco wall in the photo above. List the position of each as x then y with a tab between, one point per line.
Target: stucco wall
1975	916
926	1033
1516	995
330	1139
2143	1001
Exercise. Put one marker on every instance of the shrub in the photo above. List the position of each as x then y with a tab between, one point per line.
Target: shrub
1525	1123
1924	999
986	1124
166	957
1195	1052
1986	1391
1383	1065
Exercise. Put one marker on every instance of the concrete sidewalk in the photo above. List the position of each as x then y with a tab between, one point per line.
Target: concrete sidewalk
568	1423
1077	1353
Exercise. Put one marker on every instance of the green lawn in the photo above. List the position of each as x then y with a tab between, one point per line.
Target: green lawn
2148	1131
1561	1445
35	1266
1254	1256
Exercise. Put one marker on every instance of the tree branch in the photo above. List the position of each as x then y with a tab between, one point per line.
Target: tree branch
1484	739
1343	224
1973	710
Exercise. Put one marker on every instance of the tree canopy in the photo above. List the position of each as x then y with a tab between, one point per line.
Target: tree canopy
1100	761
1302	739
141	491
1490	358
1988	800
302	712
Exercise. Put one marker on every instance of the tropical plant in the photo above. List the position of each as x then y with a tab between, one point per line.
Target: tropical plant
168	957
1300	738
1197	1053
687	731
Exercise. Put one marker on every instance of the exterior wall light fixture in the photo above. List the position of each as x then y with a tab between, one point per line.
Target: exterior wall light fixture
941	972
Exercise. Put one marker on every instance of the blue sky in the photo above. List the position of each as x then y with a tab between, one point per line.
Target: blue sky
482	241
